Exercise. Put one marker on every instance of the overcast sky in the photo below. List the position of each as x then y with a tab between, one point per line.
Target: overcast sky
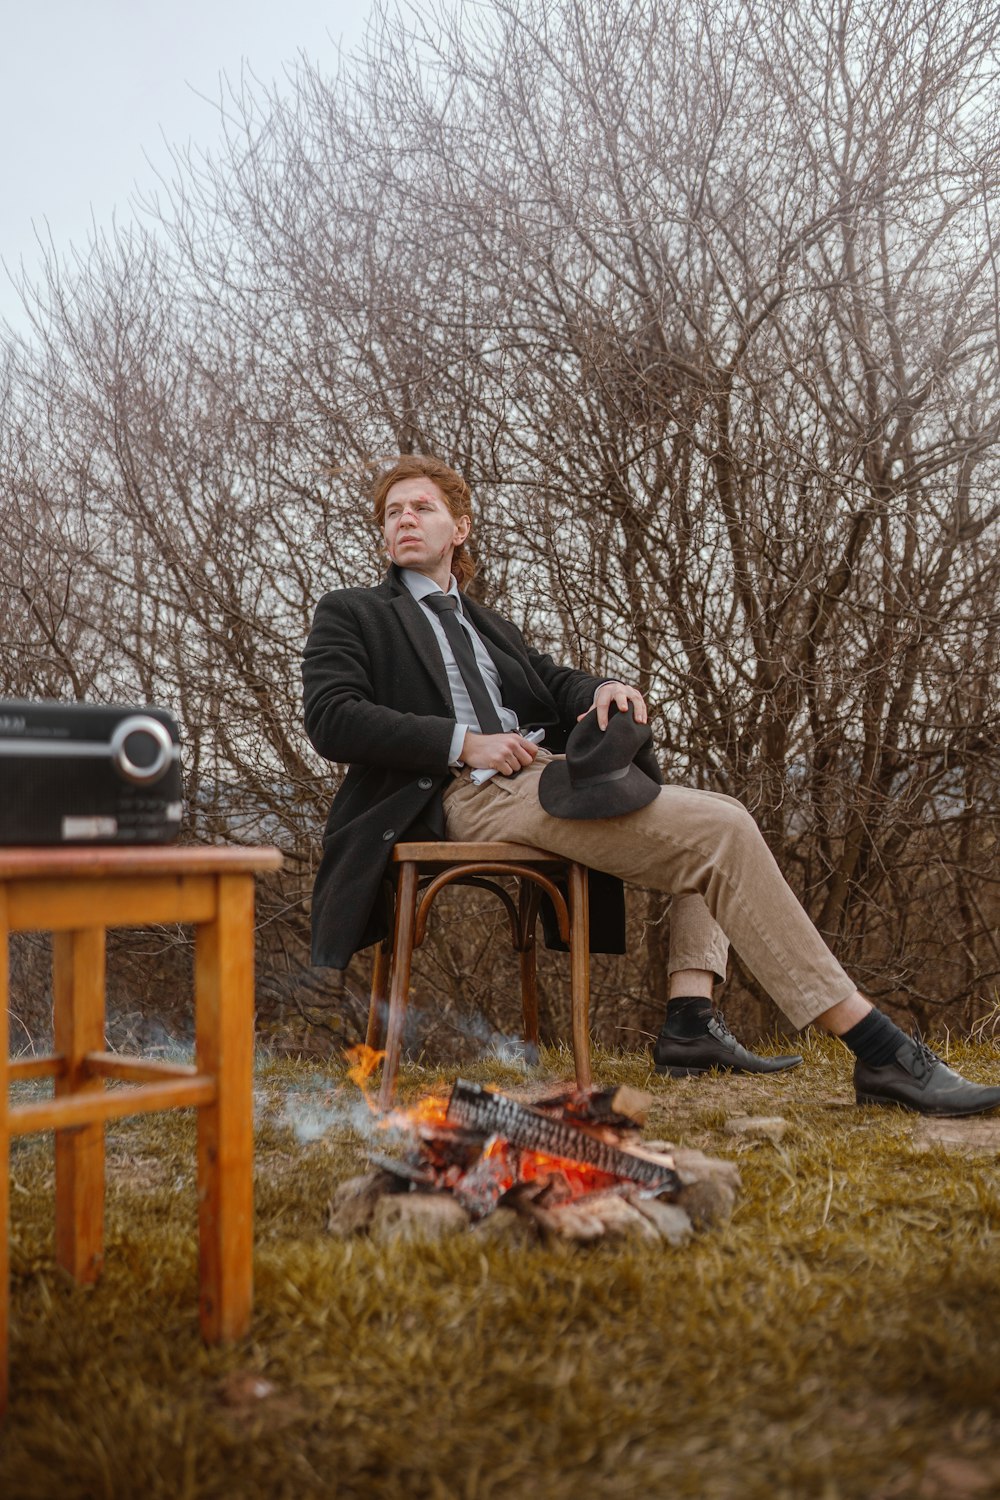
90	88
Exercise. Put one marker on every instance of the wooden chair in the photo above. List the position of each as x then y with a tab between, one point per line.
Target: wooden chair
76	894
420	872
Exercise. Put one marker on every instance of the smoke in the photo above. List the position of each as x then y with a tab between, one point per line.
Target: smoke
514	1052
313	1113
487	1043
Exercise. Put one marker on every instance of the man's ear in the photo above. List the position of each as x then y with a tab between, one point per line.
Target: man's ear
464	526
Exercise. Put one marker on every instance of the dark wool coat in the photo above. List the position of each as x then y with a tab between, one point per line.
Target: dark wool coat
377	699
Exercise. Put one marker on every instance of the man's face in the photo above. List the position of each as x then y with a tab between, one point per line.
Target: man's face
420	531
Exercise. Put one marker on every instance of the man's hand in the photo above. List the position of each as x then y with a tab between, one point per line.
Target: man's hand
505	753
621	696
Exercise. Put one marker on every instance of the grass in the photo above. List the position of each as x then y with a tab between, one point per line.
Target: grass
840	1338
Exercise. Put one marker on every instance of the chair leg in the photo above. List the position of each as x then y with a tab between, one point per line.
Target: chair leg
224	978
376	1004
529	993
579	962
527	915
4	1163
399	990
78	1028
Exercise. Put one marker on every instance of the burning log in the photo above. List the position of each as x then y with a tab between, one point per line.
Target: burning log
567	1165
623	1107
536	1130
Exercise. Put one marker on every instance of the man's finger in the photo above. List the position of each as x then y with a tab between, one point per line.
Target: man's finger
623	697
514	754
635	701
606	696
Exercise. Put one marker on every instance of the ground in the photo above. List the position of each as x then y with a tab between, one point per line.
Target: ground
840	1338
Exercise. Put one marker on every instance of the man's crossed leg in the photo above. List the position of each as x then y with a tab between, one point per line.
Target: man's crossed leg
706	850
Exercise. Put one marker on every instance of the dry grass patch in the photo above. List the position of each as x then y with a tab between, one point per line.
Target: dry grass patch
838	1339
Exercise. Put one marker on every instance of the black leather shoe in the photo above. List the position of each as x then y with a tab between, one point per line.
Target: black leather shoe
918	1079
683	1056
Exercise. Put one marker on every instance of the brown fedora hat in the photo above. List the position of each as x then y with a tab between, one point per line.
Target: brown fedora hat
607	772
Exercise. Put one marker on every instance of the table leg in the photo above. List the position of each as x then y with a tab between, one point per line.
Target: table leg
4	1160
78	1027
224	1042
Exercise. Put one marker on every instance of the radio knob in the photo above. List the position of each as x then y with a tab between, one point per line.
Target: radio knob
141	749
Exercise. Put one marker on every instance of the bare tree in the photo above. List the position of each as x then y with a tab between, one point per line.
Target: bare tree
705	303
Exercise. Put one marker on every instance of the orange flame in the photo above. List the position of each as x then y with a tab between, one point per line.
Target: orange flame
363	1061
432	1112
432	1109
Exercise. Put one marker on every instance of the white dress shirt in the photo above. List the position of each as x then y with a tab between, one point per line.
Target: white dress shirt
419	585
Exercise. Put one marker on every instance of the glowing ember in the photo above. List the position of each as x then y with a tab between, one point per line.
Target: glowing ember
481	1145
537	1166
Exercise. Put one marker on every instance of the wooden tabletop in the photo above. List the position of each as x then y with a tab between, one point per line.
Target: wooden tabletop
44	863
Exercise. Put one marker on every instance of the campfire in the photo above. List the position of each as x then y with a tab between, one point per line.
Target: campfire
569	1162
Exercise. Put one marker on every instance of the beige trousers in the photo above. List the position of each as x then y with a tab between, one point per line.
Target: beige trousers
702	848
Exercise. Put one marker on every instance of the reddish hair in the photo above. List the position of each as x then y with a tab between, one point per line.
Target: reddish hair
454	490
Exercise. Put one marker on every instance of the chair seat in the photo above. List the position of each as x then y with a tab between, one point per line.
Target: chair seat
443	851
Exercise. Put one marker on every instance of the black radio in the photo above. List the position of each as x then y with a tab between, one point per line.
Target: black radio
83	773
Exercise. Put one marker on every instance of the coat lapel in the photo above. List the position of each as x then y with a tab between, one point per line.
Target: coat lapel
417	628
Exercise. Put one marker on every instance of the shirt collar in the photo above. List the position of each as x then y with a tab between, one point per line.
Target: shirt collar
419	585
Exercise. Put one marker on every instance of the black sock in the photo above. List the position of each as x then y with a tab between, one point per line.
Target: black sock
875	1040
688	1015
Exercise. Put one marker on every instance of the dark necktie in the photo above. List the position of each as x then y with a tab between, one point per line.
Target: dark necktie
445	606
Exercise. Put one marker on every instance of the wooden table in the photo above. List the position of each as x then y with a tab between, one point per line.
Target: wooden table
76	894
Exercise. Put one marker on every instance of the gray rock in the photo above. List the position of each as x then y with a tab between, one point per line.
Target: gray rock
694	1166
958	1135
708	1203
508	1226
352	1206
417	1216
669	1219
768	1127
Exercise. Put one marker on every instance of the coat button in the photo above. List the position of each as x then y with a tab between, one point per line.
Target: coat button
425	783
388	836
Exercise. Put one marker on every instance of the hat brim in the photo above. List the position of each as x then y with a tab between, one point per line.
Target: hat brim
607	799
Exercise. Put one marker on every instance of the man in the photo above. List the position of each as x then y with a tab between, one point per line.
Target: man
414	686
